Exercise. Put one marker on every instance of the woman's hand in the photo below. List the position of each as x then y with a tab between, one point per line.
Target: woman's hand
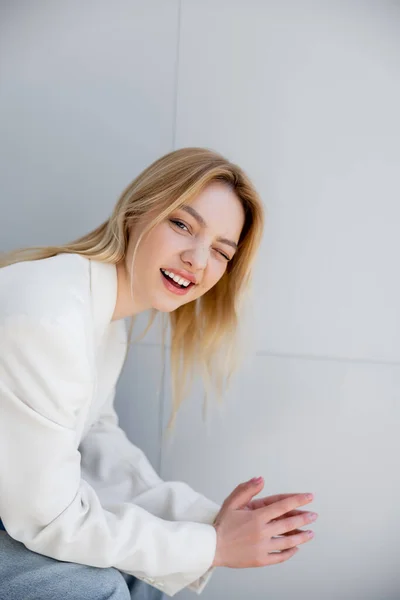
257	533
260	502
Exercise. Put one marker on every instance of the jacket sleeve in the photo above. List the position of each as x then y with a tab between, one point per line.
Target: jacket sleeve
45	502
120	472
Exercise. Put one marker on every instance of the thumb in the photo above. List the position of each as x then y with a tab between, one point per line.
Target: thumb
244	492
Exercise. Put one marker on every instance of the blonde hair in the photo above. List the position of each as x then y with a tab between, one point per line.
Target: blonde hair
203	332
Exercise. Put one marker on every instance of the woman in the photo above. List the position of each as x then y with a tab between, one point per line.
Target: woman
84	514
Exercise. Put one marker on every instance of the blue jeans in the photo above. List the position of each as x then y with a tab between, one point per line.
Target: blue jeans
26	575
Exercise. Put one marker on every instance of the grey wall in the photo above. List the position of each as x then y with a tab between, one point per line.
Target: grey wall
305	96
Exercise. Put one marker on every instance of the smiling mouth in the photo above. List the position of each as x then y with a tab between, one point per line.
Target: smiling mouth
177	285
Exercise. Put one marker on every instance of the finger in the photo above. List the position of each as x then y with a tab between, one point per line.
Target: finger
283	543
281	507
291	513
290	532
279	557
281	526
293	532
260	502
243	493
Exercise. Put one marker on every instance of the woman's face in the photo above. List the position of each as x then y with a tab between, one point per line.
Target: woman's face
188	253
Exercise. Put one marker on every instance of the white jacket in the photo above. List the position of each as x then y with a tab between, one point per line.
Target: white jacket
72	486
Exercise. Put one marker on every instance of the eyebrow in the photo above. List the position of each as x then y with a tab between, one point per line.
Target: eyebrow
201	221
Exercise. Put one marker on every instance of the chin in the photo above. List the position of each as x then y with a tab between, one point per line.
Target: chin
165	306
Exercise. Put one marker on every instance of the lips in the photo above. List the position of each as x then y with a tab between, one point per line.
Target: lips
179	273
173	286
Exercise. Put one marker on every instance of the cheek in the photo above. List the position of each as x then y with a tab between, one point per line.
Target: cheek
164	242
215	272
155	247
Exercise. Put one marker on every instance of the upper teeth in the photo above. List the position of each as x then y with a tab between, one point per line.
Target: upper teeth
176	278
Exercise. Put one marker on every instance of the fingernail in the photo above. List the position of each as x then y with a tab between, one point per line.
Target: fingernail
256	480
310	496
310	534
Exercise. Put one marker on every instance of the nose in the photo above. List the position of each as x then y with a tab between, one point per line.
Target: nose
196	257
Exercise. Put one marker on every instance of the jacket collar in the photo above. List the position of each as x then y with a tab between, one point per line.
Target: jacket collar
103	288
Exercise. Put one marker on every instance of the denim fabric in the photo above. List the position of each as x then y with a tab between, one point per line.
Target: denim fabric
30	576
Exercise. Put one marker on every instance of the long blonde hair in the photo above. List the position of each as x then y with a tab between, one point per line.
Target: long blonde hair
203	332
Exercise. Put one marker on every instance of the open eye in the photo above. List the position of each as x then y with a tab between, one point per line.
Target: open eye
179	224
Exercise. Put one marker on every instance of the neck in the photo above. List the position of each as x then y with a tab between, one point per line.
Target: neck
125	306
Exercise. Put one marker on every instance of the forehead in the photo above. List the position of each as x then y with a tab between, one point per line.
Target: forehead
221	210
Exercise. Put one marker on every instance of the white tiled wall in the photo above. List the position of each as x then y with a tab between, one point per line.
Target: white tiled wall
87	99
325	426
304	95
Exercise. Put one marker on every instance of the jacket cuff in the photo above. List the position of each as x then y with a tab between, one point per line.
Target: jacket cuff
199	585
206	538
209	512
